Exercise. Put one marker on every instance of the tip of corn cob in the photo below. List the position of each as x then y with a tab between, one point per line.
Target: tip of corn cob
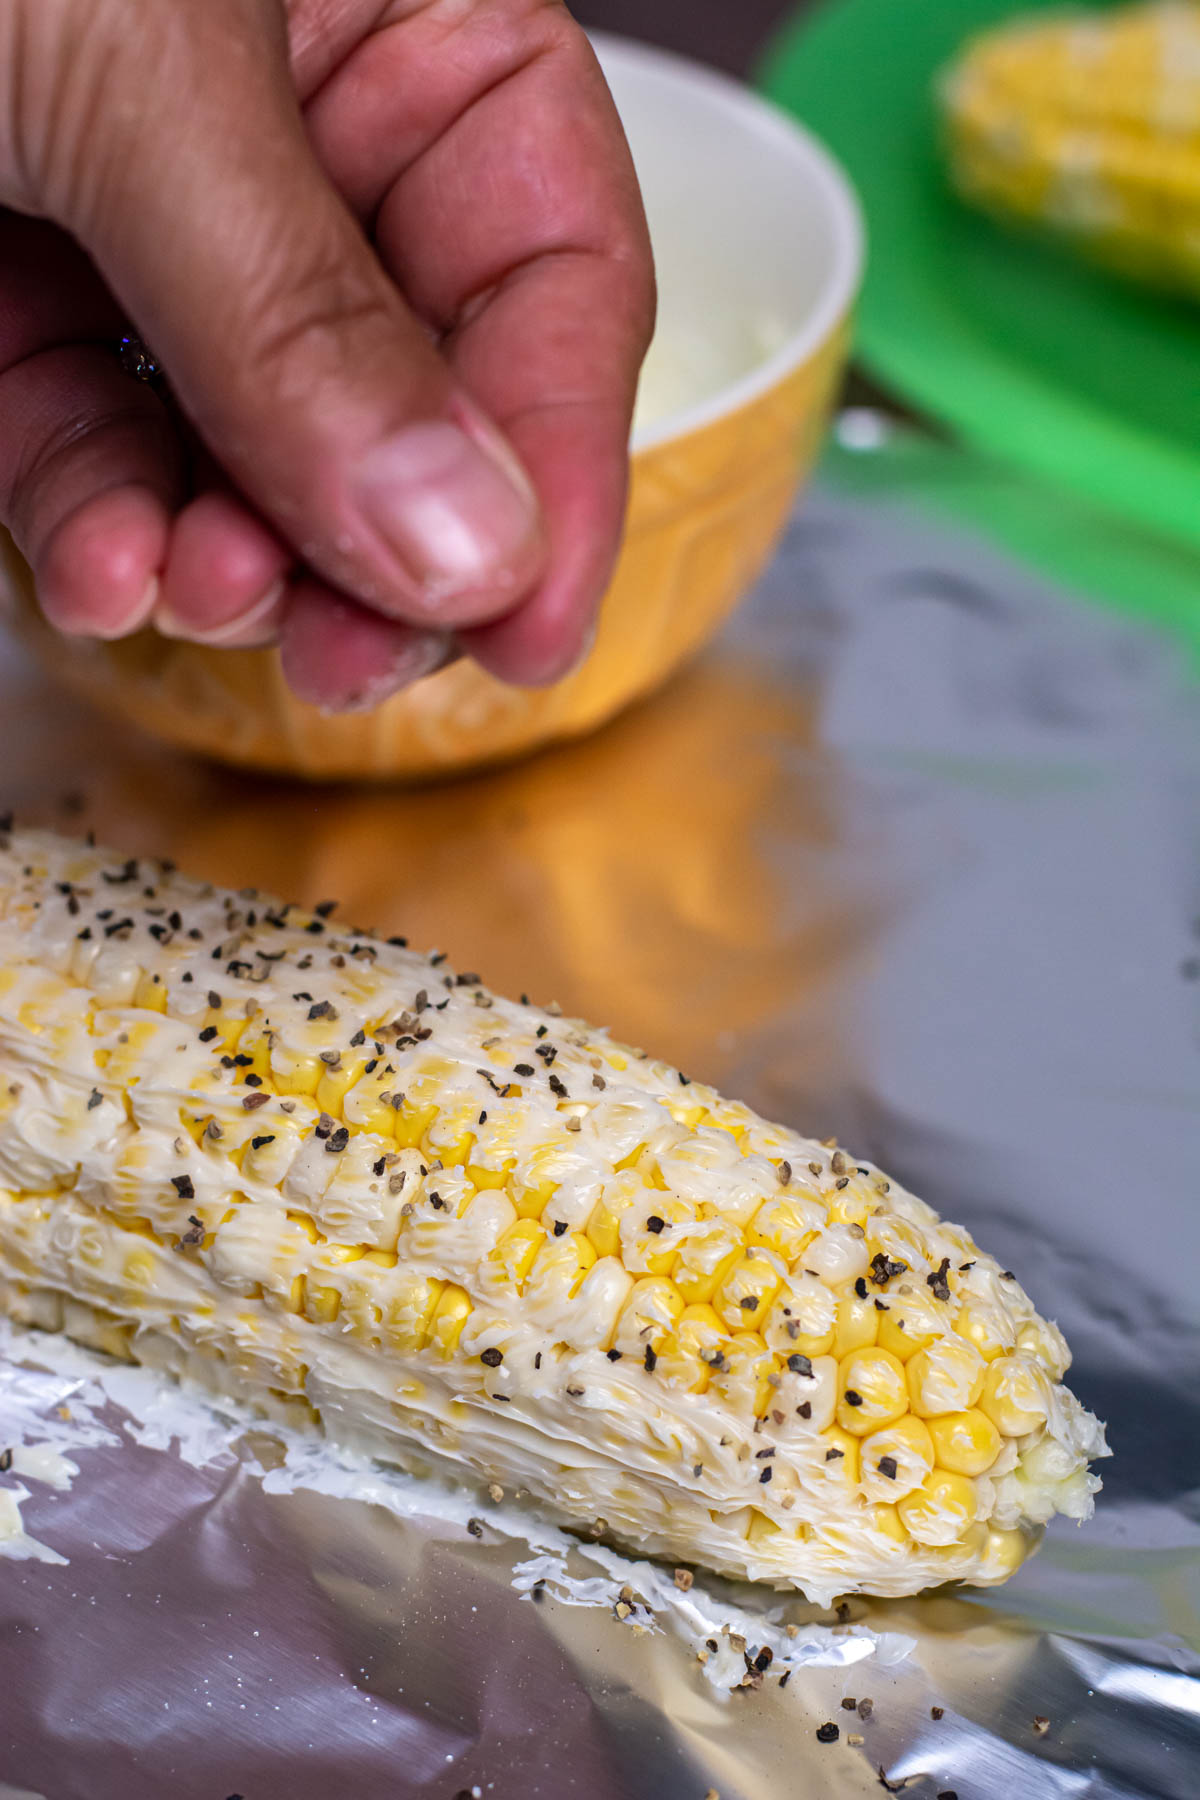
324	1174
1087	124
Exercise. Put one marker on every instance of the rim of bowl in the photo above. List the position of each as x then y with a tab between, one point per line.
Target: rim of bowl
825	179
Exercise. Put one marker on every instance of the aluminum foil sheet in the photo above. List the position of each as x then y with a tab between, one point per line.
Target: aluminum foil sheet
911	856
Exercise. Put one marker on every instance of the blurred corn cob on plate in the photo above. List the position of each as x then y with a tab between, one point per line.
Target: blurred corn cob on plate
1088	124
1079	128
325	1175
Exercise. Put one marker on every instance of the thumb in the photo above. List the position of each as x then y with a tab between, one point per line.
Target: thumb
284	340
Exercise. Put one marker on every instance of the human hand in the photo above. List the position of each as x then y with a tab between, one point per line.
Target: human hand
394	260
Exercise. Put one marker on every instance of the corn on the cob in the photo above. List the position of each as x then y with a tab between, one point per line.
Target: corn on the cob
324	1174
1090	125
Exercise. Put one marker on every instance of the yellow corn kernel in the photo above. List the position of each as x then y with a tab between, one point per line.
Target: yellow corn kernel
986	1329
122	1066
735	1520
448	1140
1003	1554
151	994
343	1253
893	1335
1015	1395
139	1267
513	1255
686	1113
98	1328
650	1173
336	1083
450	1314
853	1204
362	1310
765	1388
410	1307
873	1391
269	1161
787	1224
606	1287
721	1114
295	1295
111	980
228	1029
649	1316
306	1224
940	1510
911	1323
857	1324
653	1251
959	1559
802	1318
899	1239
321	1304
143	1228
559	1268
704	1262
682	1361
292	1074
965	1442
896	1459
886	1521
32	1018
433	1080
1042	1339
368	1104
809	1343
744	1296
532	1201
457	1153
412	1122
763	1531
945	1377
742	1373
604	1222
841	1456
481	1178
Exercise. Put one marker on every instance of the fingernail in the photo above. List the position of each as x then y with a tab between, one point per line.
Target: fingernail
239	630
587	643
133	620
426	652
456	508
76	620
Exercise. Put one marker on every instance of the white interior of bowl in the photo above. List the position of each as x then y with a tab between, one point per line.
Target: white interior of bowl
757	236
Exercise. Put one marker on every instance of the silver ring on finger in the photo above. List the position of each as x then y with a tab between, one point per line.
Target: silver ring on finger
138	360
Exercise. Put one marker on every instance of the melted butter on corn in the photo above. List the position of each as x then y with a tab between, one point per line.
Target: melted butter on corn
321	1173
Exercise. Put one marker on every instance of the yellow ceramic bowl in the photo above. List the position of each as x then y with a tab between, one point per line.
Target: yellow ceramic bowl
759	253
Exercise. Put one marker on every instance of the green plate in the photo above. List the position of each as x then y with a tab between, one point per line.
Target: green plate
1040	360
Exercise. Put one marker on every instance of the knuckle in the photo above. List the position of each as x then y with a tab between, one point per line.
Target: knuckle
64	58
641	289
68	423
51	456
81	114
301	320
